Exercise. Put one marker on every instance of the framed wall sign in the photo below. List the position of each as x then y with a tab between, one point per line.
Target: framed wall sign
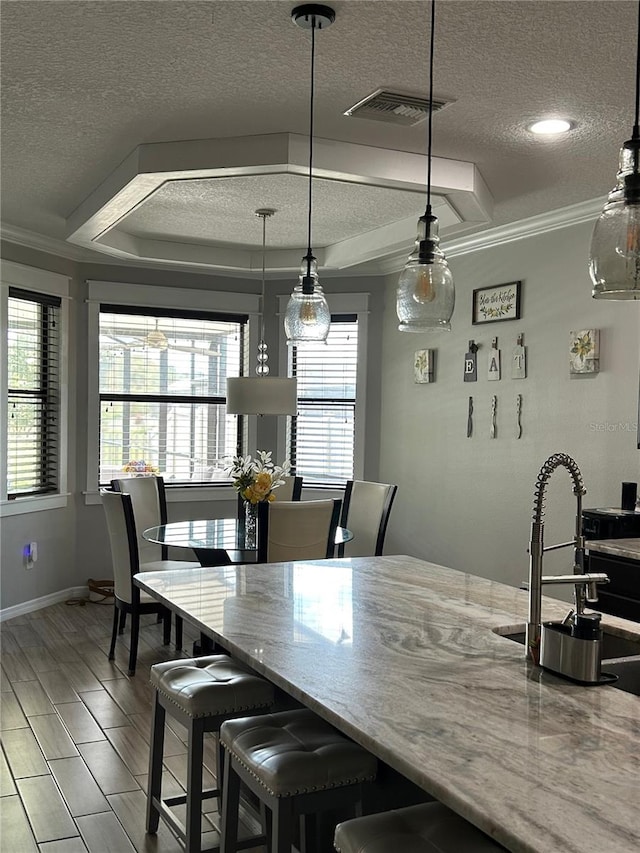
501	302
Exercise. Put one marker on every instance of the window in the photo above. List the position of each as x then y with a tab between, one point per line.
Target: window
33	386
321	438
162	387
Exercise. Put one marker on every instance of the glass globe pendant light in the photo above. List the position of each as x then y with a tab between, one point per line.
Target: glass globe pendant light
307	318
262	394
614	257
426	295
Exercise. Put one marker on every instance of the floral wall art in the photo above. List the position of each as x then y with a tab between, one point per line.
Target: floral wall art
424	366
584	351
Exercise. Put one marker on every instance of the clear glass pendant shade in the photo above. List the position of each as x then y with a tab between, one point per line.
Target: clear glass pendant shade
426	295
614	257
307	318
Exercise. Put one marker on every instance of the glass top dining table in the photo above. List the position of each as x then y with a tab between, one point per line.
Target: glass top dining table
216	540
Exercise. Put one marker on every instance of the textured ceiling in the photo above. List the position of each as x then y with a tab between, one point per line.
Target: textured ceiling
84	83
180	210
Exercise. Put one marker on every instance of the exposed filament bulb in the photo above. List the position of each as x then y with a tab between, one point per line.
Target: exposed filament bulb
425	290
308	314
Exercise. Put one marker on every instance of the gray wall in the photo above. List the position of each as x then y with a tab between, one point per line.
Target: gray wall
72	542
466	502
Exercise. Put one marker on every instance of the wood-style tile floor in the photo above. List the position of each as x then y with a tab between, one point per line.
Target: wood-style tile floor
75	736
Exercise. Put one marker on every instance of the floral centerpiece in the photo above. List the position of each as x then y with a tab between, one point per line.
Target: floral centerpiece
255	480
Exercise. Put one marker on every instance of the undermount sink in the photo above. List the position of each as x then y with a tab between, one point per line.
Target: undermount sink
628	672
620	657
613	645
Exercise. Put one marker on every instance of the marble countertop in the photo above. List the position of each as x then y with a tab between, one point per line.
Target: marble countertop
401	655
629	548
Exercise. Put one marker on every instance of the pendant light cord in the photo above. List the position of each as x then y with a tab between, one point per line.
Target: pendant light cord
311	102
263	216
636	124
430	119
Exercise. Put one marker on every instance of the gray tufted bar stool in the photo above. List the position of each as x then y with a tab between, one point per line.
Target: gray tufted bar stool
201	693
298	766
427	828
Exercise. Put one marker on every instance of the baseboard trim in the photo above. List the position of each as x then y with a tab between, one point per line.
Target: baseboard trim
44	601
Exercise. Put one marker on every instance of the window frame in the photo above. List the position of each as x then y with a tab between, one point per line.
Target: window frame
159	299
339	304
45	283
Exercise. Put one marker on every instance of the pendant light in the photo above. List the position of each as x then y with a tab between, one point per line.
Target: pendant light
262	394
426	295
307	318
156	339
614	257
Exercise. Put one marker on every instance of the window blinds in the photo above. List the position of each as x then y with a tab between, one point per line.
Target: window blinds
321	436
162	392
33	393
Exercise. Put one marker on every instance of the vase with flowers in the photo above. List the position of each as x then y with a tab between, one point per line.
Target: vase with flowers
255	480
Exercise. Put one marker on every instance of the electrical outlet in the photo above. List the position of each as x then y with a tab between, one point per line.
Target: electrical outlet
26	557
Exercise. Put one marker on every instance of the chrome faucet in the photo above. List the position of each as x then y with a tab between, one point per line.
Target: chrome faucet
582	625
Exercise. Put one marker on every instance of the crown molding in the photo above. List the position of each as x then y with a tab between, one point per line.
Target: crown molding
533	226
42	243
489	238
576	214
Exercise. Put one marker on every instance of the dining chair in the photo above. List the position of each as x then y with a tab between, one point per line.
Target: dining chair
123	538
291	490
297	530
365	512
149	502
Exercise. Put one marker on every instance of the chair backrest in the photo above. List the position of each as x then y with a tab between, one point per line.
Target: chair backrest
290	491
365	513
297	530
118	510
149	502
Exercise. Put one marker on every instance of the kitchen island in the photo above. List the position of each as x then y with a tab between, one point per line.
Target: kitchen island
619	559
627	548
402	656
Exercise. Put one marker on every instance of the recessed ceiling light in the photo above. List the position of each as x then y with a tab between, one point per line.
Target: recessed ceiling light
549	126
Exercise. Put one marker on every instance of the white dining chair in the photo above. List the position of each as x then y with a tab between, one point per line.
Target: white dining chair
149	505
123	539
297	530
365	512
291	490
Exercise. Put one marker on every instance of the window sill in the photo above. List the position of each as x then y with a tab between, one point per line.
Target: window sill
21	506
186	494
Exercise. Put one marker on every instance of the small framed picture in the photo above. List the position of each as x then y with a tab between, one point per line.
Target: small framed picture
501	302
584	351
424	366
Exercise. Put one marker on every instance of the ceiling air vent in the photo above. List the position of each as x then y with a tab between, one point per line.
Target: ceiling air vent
394	107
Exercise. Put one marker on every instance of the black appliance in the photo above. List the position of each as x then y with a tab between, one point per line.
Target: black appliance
621	596
610	523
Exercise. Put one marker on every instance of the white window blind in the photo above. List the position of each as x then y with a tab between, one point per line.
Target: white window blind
163	380
321	437
33	393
